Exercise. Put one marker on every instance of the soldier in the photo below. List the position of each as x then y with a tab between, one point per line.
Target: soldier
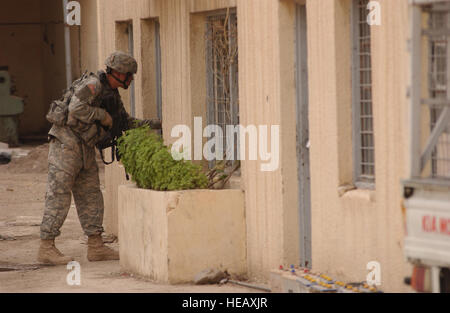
72	166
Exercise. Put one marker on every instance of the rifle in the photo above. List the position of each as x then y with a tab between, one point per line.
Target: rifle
120	124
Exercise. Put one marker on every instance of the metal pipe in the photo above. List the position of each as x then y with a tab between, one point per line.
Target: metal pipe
67	46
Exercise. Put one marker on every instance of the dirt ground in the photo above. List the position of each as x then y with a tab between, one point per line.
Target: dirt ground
22	191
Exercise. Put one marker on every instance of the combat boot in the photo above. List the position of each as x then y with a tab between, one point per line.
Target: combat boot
97	251
48	254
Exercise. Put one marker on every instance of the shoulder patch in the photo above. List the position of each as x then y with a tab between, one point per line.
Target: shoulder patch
92	87
88	89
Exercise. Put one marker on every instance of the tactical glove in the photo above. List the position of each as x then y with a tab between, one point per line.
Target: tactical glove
153	123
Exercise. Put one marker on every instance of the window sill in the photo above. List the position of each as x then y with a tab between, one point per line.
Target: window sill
354	193
233	183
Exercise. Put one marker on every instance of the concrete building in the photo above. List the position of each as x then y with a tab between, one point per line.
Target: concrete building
296	66
336	87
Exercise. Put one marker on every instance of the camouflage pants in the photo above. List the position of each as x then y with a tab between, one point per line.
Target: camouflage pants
67	174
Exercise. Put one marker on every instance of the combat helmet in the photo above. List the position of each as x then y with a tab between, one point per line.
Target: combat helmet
122	63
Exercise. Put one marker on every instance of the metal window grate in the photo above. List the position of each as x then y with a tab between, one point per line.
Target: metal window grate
222	74
437	34
158	73
362	95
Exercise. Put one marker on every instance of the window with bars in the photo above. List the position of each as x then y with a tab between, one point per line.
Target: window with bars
222	75
437	35
125	42
158	72
151	88
363	134
131	52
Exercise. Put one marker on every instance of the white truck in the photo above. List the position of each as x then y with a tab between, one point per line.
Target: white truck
427	190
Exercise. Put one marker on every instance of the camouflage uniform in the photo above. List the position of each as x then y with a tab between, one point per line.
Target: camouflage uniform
72	163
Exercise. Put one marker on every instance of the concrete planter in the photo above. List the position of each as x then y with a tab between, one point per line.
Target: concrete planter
171	236
114	177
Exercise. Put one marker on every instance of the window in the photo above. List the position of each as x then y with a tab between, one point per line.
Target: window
125	42
222	74
131	52
363	135
437	34
158	71
151	89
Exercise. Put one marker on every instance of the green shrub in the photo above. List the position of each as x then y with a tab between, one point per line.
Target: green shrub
151	165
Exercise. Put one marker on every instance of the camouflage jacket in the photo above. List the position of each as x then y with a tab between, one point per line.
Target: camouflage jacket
81	129
85	111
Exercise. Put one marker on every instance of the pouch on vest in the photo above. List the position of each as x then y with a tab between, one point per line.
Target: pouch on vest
58	112
59	109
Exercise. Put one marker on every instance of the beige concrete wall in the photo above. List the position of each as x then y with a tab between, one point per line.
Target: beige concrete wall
267	96
391	110
88	50
362	225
